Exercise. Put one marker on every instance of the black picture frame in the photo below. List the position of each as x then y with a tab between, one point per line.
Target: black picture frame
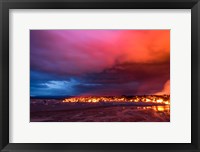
5	5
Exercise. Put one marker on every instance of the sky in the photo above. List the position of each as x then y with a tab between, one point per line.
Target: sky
99	62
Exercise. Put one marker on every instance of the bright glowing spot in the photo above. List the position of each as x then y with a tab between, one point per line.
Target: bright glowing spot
159	101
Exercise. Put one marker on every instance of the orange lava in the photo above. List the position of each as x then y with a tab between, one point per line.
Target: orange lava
162	99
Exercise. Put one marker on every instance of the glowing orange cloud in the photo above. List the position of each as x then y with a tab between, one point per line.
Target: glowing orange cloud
145	46
166	89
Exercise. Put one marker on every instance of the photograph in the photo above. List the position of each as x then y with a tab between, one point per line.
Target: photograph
100	75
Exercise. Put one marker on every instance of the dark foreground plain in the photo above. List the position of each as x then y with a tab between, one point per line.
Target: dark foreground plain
57	111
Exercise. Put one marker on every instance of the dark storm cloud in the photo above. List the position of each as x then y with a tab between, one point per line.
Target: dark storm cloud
129	78
128	72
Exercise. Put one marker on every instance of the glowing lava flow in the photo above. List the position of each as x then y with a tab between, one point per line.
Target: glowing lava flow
165	99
